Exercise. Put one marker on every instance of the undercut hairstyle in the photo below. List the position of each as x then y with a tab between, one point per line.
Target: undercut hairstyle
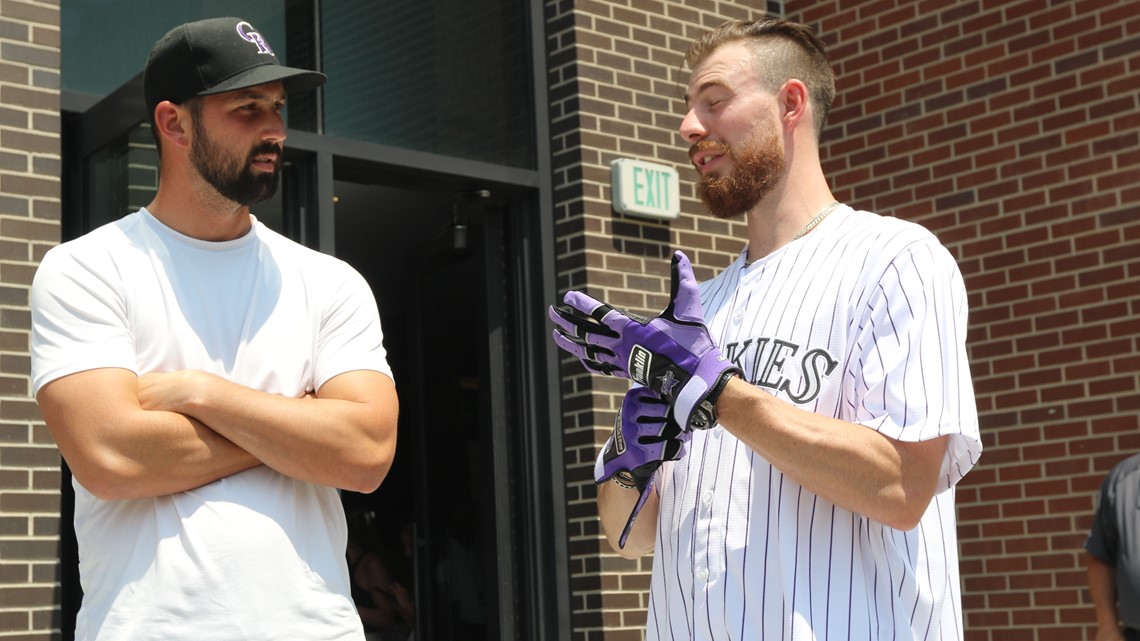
781	51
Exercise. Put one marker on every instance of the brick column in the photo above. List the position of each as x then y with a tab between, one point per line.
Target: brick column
615	92
29	225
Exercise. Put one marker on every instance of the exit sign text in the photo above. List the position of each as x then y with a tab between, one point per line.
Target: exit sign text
645	189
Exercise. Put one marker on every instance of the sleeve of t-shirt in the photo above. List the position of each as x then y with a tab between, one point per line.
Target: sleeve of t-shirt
350	336
79	317
911	379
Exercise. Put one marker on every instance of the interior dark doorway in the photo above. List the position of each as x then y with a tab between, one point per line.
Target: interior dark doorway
435	261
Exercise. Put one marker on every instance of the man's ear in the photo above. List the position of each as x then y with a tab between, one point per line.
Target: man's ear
172	123
793	101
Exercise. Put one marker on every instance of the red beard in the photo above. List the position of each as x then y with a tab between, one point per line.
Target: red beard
757	166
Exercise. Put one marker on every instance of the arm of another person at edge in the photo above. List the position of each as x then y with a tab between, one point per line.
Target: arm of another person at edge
118	450
344	438
1102	588
852	466
614	505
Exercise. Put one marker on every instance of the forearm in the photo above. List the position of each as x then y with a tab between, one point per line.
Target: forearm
1102	589
167	453
614	506
850	465
117	450
336	442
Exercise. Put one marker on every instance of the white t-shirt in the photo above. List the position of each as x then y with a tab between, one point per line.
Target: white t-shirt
863	320
257	555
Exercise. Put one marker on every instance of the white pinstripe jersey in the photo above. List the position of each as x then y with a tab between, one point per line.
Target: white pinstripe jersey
863	320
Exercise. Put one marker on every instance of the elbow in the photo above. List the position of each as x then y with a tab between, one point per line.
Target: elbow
368	478
106	481
905	513
99	487
372	465
113	492
903	521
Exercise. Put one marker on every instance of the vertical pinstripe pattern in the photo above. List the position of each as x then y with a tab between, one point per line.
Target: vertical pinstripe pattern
863	320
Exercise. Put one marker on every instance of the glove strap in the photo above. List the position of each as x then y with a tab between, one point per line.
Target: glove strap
625	479
706	409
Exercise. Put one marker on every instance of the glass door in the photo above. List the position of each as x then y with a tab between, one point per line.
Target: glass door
436	264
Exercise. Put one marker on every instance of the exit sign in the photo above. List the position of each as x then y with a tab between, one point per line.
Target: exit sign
645	189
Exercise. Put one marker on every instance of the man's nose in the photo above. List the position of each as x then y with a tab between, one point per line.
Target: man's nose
692	129
274	130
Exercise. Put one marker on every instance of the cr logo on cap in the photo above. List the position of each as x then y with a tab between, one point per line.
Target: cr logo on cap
245	30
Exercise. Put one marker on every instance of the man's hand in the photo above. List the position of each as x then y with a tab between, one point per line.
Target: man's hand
172	391
644	436
671	354
164	392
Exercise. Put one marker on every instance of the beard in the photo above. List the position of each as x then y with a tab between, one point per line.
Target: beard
757	165
229	175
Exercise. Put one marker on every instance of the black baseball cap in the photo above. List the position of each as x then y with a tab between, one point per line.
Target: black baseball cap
215	56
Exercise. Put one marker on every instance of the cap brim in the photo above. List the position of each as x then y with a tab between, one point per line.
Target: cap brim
292	78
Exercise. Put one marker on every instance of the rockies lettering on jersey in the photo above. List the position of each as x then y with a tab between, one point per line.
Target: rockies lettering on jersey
814	365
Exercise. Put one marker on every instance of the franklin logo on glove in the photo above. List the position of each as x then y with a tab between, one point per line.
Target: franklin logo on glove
639	360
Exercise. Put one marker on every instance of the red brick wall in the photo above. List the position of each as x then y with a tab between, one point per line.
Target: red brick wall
1012	130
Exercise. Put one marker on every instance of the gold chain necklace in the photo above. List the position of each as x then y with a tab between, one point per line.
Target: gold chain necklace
827	209
818	217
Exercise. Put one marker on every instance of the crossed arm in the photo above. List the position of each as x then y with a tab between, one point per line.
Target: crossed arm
856	468
133	437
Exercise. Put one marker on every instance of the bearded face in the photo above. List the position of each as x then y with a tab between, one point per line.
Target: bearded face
231	175
757	165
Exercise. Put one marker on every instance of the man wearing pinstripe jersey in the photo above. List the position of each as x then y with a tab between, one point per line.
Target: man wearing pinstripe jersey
822	504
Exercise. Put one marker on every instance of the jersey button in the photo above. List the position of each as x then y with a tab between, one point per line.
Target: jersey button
738	315
702	575
707	498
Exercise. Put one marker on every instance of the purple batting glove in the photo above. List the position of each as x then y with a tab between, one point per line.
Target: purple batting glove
671	354
644	436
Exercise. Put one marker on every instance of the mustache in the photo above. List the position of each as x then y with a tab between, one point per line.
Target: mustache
709	145
268	148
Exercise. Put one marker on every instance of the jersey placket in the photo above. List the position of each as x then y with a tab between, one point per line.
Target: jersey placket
711	501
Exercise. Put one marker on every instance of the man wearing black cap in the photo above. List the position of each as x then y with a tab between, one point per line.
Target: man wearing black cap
210	383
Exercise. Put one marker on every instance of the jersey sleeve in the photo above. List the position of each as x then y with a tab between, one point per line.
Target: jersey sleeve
911	380
79	316
350	336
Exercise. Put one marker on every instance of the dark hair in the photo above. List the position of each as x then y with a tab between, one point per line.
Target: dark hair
782	51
